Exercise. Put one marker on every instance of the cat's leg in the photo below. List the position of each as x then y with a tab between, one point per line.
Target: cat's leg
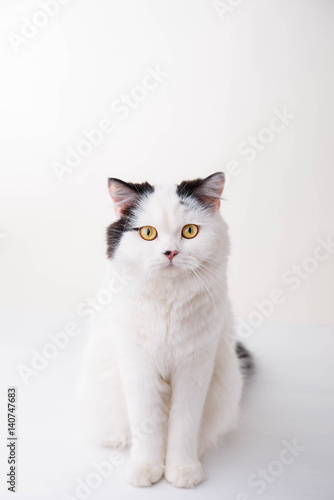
145	394
221	409
101	396
190	384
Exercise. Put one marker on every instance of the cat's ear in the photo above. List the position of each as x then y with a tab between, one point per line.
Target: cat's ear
208	191
126	195
212	189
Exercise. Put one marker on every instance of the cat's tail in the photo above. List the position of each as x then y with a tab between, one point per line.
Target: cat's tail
246	359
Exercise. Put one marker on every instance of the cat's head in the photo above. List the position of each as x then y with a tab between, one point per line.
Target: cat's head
168	229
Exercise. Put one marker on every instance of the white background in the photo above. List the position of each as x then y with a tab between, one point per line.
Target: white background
226	77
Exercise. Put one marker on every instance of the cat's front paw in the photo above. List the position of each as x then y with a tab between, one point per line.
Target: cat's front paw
184	476
142	474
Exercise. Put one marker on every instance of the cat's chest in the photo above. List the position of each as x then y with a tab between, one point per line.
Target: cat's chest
163	323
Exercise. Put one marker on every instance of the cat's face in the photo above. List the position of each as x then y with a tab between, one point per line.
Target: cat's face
167	229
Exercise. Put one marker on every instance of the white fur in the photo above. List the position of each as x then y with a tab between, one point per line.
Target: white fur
160	369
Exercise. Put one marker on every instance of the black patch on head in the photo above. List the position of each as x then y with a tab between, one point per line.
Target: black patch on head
116	230
140	189
205	191
246	359
187	189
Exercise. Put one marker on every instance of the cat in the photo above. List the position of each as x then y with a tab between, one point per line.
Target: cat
162	370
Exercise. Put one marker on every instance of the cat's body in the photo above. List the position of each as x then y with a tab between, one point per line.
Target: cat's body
161	372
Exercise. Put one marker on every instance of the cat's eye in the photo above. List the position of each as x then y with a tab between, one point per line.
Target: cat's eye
190	231
148	233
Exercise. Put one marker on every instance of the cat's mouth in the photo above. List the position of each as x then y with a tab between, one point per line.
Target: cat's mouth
171	267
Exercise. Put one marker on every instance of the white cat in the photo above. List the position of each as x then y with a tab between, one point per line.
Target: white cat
161	369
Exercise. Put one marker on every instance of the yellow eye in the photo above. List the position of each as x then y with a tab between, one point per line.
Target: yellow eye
189	231
148	233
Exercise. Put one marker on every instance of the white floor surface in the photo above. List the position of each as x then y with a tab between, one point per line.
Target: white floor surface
289	400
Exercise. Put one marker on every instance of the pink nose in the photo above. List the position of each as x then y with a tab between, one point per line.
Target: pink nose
170	254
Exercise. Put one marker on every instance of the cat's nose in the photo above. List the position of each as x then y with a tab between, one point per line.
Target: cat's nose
170	254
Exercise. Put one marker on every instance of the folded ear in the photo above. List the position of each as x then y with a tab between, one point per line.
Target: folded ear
208	191
126	195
